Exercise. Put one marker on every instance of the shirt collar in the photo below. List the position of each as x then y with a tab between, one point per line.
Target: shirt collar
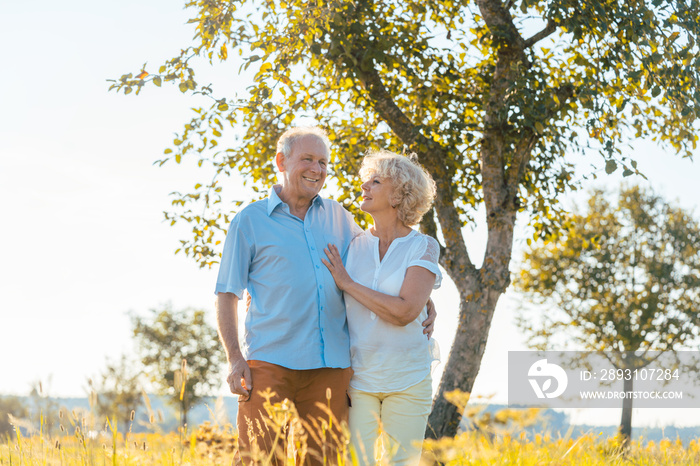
273	200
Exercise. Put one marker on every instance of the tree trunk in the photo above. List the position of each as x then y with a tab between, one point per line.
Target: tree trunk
626	420
463	362
479	289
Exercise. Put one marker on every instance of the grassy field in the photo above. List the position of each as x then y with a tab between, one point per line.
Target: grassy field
495	441
214	446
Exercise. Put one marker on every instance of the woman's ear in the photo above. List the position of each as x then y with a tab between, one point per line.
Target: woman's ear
395	199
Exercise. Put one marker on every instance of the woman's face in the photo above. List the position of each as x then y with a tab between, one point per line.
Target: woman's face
376	194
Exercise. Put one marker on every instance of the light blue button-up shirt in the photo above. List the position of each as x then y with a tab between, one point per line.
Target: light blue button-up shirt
297	313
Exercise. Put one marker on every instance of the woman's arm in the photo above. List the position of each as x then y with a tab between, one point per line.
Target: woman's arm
398	310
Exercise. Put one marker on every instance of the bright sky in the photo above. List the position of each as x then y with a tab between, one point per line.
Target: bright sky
82	231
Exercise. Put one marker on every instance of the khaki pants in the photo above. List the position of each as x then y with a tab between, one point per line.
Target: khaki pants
400	416
305	388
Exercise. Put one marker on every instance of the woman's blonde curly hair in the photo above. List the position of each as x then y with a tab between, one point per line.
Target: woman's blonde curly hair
414	188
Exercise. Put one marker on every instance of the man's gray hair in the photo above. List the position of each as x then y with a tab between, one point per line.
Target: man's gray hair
287	140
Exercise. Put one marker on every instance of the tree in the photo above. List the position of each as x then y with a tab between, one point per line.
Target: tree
117	391
10	406
43	409
490	95
181	353
627	279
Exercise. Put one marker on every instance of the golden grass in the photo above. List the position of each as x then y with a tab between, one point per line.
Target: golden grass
476	449
211	445
137	449
78	442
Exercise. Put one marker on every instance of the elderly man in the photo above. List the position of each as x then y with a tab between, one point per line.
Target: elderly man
296	337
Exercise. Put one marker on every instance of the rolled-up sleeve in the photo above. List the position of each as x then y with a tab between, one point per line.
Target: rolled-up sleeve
426	255
235	261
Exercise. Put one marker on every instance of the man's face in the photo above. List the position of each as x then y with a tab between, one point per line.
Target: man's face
304	171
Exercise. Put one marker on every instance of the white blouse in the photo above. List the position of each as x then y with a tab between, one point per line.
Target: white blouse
387	357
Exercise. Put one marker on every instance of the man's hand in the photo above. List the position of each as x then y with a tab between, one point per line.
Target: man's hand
429	323
239	379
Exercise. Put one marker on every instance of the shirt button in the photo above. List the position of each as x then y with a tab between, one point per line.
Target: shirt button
317	266
320	287
313	248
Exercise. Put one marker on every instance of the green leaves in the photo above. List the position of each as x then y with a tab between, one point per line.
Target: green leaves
621	274
610	166
165	338
616	66
187	85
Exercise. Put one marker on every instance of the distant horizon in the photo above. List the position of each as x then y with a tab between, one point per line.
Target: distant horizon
232	399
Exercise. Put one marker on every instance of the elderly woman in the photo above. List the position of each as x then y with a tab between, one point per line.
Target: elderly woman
389	274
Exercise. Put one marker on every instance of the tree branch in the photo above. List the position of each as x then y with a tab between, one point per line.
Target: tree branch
500	23
433	157
509	50
524	146
521	158
428	227
549	29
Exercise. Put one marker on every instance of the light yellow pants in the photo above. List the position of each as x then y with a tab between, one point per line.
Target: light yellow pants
400	418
